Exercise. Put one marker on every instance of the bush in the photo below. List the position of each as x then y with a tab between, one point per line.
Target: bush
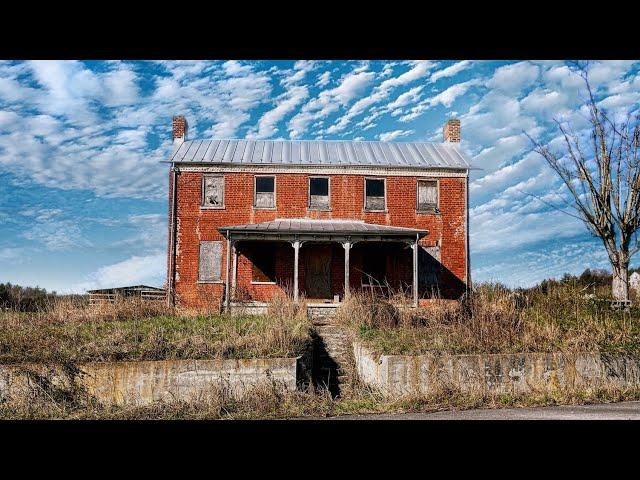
24	299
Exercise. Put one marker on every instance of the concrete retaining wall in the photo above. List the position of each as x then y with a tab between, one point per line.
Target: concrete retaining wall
149	381
398	375
248	308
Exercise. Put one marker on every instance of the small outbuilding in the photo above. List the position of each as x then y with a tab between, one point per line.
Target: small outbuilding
110	295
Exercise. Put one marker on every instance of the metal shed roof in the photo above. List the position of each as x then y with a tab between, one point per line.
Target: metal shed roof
306	226
322	152
129	287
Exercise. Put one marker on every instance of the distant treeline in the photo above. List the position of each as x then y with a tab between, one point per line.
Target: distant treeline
589	279
29	299
26	299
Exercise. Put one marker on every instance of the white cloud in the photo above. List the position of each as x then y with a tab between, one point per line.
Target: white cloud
445	98
267	124
451	70
146	270
410	96
381	92
300	69
528	267
329	101
323	79
388	136
294	95
513	78
11	254
235	68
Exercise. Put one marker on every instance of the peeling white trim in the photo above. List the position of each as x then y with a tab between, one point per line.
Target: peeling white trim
329	170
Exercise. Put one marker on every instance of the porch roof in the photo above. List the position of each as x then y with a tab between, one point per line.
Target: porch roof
311	229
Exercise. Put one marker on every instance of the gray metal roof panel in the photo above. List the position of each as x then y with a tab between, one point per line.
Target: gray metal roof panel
305	225
322	152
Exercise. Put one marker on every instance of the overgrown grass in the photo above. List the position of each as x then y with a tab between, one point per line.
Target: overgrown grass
495	320
269	402
134	330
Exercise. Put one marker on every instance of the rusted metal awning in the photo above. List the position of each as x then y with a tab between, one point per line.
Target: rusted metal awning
304	229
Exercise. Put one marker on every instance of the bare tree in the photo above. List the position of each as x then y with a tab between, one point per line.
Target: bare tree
603	178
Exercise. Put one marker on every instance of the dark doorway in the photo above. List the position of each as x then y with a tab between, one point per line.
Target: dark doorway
318	271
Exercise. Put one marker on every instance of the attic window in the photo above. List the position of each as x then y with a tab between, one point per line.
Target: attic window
428	195
213	191
265	188
374	191
319	193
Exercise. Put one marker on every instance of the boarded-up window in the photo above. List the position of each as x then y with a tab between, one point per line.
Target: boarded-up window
264	263
213	191
374	194
319	192
210	262
265	192
428	195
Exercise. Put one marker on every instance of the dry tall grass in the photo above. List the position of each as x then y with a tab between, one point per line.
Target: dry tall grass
49	401
136	330
493	320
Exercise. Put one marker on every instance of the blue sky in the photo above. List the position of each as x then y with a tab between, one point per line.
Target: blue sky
83	197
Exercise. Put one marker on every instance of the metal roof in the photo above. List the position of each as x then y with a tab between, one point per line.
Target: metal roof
321	227
130	287
322	152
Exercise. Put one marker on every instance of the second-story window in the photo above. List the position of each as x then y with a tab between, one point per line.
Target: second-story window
374	194
428	195
265	196
319	193
213	191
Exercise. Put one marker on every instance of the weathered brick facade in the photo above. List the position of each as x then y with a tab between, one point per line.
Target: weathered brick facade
194	223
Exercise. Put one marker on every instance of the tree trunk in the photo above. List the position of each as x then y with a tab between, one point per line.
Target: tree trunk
620	284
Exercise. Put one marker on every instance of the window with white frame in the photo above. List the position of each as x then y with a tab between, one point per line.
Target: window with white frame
428	195
319	193
213	191
374	194
265	192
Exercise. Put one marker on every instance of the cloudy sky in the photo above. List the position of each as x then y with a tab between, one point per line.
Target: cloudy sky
83	195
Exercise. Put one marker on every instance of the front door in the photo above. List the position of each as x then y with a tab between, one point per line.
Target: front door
317	278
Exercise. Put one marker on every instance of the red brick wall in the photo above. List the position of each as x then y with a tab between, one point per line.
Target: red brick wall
347	199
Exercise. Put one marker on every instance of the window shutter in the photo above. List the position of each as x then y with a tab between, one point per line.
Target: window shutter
210	262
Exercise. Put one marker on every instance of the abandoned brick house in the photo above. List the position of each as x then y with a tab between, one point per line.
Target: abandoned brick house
316	219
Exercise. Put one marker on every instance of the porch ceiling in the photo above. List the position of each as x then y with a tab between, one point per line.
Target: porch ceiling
310	229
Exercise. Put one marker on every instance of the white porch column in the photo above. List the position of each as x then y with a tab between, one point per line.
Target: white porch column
415	247
234	270
296	257
227	284
347	248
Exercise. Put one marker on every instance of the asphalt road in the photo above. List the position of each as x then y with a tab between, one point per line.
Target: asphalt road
608	411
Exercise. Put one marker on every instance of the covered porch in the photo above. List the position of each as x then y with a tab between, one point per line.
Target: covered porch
316	257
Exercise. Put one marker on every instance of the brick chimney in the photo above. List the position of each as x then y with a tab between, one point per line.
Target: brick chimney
451	131
180	128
